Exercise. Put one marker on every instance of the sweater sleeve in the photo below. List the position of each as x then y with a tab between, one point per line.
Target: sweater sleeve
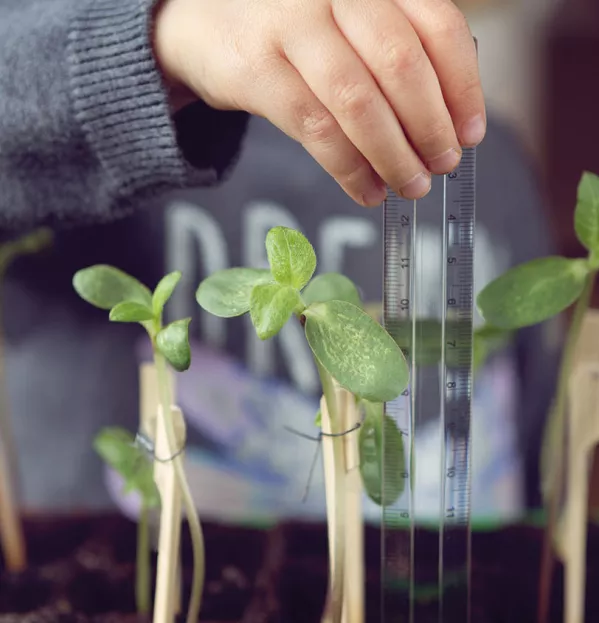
85	128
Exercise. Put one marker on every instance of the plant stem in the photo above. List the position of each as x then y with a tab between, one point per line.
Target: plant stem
142	571
559	421
195	529
337	580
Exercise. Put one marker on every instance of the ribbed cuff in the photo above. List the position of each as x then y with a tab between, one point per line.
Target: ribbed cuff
120	100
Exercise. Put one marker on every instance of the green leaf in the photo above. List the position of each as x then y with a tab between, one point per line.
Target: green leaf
163	291
331	287
173	342
318	419
381	453
130	311
586	215
532	292
227	292
105	286
291	257
356	350
271	306
116	446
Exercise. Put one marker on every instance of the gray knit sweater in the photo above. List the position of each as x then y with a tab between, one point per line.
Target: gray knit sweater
85	129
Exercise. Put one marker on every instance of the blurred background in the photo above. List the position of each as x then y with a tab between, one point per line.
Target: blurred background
70	371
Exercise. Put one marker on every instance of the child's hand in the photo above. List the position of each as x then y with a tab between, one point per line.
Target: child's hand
371	88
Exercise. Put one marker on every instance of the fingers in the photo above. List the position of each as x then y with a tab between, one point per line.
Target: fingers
336	75
390	48
284	99
448	42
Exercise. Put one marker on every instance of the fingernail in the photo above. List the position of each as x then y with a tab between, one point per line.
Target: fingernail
445	163
375	195
473	131
417	187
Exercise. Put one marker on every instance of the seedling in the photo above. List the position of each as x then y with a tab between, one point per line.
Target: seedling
350	350
532	293
118	448
128	300
11	531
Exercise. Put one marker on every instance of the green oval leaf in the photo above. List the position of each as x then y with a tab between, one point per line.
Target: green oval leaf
532	292
130	311
173	342
291	257
381	453
586	215
163	291
227	292
105	286
318	419
116	446
331	287
271	306
356	350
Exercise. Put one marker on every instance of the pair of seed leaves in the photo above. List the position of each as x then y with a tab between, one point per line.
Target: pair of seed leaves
346	341
128	300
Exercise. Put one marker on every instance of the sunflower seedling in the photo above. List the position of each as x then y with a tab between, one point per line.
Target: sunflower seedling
532	293
352	353
128	300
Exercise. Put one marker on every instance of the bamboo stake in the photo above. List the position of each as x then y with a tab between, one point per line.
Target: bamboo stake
353	604
583	436
165	601
148	403
12	538
11	530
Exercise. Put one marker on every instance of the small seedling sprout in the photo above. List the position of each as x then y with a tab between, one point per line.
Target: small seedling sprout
128	300
349	347
118	448
532	293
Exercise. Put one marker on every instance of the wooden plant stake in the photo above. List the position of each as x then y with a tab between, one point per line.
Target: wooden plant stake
166	601
353	603
11	532
12	538
149	400
583	436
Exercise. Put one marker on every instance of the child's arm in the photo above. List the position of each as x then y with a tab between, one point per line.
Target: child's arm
86	131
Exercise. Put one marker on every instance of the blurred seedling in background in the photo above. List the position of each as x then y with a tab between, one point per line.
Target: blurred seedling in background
532	293
128	300
12	540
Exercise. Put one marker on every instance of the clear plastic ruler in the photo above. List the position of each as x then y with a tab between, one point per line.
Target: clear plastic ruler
429	307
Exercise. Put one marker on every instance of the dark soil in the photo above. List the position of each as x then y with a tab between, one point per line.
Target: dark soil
82	571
